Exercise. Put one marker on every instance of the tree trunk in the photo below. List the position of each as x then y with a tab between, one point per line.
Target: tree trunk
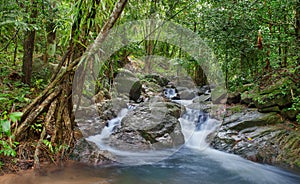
54	105
149	44
200	78
297	30
29	46
50	43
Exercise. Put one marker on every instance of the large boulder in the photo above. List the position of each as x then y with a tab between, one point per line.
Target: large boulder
128	84
233	98
187	94
149	126
88	152
240	121
272	98
260	137
92	119
157	79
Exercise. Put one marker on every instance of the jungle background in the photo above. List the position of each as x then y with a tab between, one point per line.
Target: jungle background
41	41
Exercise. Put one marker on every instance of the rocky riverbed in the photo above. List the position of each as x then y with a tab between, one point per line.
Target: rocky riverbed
255	132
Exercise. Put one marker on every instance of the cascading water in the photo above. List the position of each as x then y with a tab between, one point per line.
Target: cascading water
195	162
112	124
196	126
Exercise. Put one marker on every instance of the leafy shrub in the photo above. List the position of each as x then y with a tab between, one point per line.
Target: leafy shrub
7	143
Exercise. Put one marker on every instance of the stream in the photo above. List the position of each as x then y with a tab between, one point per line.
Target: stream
193	163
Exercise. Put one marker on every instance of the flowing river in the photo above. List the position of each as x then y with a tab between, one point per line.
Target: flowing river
193	163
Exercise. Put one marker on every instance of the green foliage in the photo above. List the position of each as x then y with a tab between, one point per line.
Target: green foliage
37	127
49	145
54	149
14	94
7	143
296	107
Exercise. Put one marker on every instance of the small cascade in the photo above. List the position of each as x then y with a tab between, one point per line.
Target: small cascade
109	128
170	93
113	123
196	126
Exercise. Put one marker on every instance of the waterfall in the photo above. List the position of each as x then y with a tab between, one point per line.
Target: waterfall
196	125
99	139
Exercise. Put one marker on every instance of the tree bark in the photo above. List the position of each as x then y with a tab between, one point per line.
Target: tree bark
149	44
297	29
56	100
29	46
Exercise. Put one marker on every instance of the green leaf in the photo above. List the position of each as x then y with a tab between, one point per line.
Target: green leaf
5	125
15	116
3	99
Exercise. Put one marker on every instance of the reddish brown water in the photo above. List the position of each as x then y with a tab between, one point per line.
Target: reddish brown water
72	174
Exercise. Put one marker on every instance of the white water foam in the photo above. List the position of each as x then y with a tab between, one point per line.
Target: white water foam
250	171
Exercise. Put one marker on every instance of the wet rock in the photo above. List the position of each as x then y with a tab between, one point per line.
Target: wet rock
199	106
257	137
184	82
91	120
150	126
135	91
290	114
205	89
269	109
157	79
240	121
233	98
128	84
110	108
88	152
202	98
171	93
187	94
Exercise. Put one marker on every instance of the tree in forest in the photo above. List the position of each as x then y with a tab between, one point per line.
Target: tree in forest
54	104
29	44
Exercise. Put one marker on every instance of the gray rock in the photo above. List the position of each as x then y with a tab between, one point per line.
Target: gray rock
180	88
233	98
87	152
199	106
202	98
187	94
150	126
250	134
269	109
251	119
127	83
157	79
185	82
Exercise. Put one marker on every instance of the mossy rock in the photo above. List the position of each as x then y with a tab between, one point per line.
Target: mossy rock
233	98
279	86
256	119
247	97
289	143
281	100
290	113
157	79
278	94
135	91
245	87
235	109
269	109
